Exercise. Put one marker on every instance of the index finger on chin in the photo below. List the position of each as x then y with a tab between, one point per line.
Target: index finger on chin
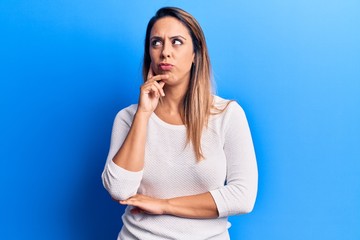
150	73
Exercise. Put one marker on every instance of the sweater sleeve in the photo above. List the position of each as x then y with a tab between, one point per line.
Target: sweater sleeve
239	194
119	182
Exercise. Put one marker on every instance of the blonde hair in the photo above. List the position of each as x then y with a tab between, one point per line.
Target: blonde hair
198	98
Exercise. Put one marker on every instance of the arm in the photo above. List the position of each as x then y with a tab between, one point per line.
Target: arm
120	182
195	206
238	196
131	154
123	171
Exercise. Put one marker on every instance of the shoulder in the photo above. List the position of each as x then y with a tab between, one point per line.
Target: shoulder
226	106
126	114
130	110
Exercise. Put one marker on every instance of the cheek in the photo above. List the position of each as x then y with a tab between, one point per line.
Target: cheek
154	69
189	60
154	54
151	56
153	60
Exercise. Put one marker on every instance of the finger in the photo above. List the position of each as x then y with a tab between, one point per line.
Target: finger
130	202
160	87
137	210
150	73
147	88
155	91
126	201
154	88
158	77
162	84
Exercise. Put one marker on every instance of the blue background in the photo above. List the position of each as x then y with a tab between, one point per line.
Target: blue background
67	67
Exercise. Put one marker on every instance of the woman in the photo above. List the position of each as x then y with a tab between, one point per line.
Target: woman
182	159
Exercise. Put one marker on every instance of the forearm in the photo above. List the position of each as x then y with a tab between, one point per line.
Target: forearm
195	206
131	154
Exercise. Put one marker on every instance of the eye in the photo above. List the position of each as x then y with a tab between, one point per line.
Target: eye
155	43
177	42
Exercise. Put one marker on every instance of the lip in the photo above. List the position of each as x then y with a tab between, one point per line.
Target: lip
165	66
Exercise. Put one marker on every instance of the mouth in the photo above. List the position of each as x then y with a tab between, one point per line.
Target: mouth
165	66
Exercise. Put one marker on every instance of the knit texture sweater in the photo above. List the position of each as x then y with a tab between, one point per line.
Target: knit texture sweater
228	172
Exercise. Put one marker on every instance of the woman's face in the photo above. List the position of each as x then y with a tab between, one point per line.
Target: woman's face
171	50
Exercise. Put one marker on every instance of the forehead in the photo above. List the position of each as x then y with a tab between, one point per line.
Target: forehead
169	26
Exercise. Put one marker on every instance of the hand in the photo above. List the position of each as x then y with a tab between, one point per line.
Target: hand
145	204
151	91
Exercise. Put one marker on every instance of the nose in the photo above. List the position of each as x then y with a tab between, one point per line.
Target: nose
166	51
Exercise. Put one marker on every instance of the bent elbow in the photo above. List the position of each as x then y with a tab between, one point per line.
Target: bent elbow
247	207
246	202
118	190
120	195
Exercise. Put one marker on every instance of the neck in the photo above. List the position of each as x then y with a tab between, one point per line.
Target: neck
172	102
170	108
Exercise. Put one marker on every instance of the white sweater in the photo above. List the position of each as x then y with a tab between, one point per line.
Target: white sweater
228	172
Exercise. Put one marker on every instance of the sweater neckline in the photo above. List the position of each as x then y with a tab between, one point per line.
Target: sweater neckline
165	124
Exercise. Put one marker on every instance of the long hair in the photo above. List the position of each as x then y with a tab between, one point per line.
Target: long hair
198	98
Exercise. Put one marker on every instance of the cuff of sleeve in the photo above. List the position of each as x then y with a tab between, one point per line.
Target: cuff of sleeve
116	170
220	203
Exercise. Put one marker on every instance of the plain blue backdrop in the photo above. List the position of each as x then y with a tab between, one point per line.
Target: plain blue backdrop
67	67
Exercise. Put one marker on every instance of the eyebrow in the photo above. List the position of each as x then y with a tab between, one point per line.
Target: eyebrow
158	37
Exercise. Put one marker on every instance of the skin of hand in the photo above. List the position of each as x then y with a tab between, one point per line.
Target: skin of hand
146	204
171	44
199	206
134	145
151	91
